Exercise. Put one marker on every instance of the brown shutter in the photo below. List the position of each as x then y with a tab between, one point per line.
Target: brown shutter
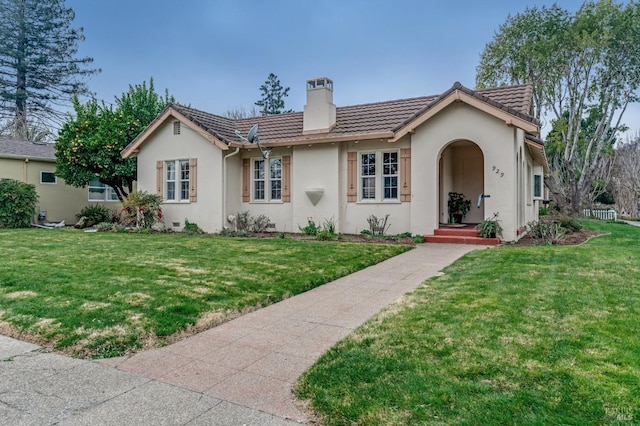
286	178
405	175
352	177
193	180
159	178
246	180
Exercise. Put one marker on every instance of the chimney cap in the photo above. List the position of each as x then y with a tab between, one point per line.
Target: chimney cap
319	83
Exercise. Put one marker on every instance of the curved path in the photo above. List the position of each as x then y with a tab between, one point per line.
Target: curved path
241	372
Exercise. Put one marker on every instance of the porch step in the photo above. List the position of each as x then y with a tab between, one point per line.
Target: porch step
457	232
466	235
461	239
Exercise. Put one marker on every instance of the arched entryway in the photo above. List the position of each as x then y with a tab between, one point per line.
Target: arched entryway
461	169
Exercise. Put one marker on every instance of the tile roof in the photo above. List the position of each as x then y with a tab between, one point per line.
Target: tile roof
26	149
379	118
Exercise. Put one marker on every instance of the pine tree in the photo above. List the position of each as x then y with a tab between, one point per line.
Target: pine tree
273	95
39	68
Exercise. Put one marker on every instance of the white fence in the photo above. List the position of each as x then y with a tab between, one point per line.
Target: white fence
603	214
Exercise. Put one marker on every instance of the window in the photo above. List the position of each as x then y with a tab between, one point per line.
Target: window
390	175
537	186
48	178
176	127
272	180
368	176
98	191
177	180
379	180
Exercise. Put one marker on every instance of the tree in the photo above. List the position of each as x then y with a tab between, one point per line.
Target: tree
239	113
273	95
626	176
584	68
89	145
39	68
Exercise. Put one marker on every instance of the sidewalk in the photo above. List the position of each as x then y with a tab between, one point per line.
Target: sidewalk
241	372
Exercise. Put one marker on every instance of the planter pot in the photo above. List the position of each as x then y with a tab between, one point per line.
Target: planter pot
457	217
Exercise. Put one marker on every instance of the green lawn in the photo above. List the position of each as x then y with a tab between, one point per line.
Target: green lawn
104	294
509	336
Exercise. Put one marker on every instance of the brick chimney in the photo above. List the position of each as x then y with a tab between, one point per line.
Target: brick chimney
320	111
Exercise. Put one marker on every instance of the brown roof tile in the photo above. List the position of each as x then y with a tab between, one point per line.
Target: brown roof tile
26	149
356	120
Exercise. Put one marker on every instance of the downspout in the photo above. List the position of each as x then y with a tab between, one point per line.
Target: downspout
224	186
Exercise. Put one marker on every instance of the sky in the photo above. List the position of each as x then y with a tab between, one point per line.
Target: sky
215	54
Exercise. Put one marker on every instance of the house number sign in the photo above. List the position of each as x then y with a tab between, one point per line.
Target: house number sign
497	170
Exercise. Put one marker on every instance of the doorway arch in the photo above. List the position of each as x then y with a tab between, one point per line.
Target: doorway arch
461	169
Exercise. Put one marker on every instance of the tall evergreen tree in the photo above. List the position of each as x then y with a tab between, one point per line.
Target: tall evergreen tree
39	68
273	95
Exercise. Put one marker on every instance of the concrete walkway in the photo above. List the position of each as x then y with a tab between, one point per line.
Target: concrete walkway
239	373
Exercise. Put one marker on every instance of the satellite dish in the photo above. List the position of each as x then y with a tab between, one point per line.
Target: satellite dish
252	133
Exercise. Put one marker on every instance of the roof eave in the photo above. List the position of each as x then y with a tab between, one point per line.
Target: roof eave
134	147
455	94
28	157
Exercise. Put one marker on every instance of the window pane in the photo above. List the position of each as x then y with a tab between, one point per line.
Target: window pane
96	194
368	188
276	168
368	164
276	189
184	170
390	163
258	190
258	169
391	187
47	177
171	170
184	190
537	186
171	190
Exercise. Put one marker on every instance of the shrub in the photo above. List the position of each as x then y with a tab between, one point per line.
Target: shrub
142	209
95	214
418	239
246	224
17	203
111	227
311	229
191	228
546	231
569	223
259	223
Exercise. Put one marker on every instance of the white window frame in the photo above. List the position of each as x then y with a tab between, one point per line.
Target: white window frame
266	182
177	175
55	178
378	177
108	193
539	185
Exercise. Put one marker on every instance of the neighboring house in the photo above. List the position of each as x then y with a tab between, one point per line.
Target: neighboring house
399	157
35	163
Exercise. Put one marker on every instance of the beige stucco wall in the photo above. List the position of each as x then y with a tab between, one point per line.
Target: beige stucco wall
60	201
164	145
499	144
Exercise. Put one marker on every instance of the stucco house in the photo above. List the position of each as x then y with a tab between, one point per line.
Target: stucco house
35	163
399	157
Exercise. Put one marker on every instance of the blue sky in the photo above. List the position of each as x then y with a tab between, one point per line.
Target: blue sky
215	54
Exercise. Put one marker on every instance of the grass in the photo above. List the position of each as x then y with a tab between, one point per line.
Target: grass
510	336
106	294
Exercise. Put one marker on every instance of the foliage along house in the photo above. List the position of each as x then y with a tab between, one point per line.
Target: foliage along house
399	157
35	163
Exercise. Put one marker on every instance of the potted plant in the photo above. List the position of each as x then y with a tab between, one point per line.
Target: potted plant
490	228
458	207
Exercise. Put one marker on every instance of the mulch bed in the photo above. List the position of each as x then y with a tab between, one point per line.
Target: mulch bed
573	239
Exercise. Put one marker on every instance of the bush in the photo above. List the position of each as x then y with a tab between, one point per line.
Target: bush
142	209
311	229
571	224
246	224
191	228
378	226
546	231
17	203
95	214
